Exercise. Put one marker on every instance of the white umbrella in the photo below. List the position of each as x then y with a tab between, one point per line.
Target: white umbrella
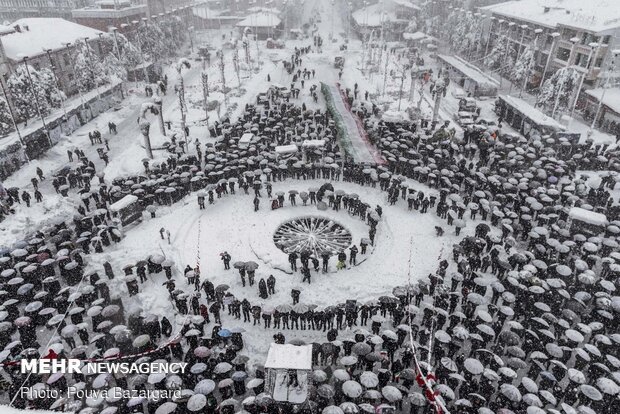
369	379
352	389
391	393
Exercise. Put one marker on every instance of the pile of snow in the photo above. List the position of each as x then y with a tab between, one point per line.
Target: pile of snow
35	36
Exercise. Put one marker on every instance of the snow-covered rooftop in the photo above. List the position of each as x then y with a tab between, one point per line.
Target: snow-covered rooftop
124	202
593	15
206	13
532	113
289	356
611	98
469	70
43	33
406	3
261	19
258	9
373	15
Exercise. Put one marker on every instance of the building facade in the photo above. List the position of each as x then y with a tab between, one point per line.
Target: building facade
11	10
32	40
110	13
562	33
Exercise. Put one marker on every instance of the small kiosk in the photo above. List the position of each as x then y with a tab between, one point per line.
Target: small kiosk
287	372
245	140
127	209
586	222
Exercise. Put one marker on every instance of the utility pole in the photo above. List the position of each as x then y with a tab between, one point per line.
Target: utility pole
36	100
205	93
611	67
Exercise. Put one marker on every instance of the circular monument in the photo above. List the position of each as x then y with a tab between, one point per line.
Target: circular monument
316	235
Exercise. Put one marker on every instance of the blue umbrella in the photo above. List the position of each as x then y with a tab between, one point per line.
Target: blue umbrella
224	333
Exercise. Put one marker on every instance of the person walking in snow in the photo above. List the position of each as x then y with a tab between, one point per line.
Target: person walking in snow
353	255
342	260
271	285
262	289
226	259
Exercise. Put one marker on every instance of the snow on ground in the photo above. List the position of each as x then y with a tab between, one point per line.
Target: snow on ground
405	241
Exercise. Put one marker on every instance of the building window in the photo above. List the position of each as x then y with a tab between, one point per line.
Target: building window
598	63
563	54
606	39
582	60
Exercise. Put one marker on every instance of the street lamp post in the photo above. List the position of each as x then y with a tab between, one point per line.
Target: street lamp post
594	48
146	72
611	66
486	49
90	57
574	41
537	33
53	69
523	29
118	55
36	99
555	36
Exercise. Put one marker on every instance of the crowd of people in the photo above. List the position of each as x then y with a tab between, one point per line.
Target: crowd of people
521	317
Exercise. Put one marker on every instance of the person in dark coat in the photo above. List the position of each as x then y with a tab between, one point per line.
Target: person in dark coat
292	259
271	284
353	255
226	259
325	258
295	295
262	289
166	327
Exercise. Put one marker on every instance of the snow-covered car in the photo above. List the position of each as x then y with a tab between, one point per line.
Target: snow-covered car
464	118
468	104
262	98
275	44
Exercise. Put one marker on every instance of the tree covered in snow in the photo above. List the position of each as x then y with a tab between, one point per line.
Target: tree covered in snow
557	91
48	80
6	124
25	94
118	55
464	32
430	22
174	33
522	67
89	71
160	39
151	40
502	56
